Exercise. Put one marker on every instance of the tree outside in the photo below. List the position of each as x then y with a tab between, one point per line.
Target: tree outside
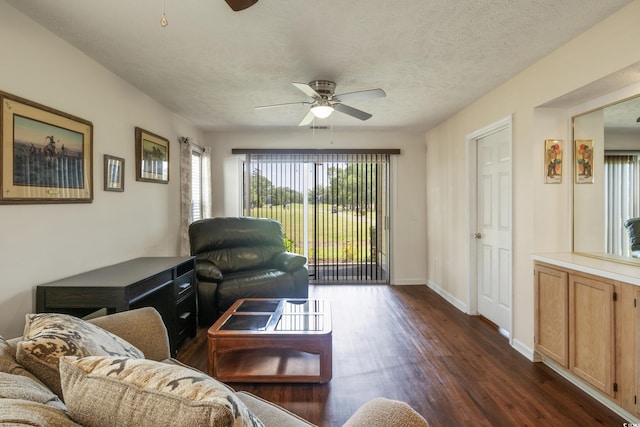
343	212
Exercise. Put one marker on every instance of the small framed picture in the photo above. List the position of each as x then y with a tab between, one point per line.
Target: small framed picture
152	157
553	161
113	173
584	161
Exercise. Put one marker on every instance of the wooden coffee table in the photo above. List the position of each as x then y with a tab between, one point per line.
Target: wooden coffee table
272	340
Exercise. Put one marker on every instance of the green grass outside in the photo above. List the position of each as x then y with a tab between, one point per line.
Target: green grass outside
341	224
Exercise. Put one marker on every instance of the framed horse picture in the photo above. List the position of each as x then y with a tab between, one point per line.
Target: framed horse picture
46	154
152	157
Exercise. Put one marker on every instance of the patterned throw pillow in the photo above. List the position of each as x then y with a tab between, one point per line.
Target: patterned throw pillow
47	337
117	391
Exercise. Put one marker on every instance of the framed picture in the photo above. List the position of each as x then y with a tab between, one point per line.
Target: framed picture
584	161
46	155
553	161
152	157
113	173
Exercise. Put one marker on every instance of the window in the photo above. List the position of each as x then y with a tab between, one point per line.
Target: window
196	185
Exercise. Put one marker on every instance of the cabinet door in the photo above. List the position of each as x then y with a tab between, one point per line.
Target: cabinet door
552	314
635	357
592	333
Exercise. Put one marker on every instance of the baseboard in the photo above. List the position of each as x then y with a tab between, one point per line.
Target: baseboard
447	296
403	282
523	349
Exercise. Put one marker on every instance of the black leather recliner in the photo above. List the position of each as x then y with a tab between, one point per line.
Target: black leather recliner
243	258
633	229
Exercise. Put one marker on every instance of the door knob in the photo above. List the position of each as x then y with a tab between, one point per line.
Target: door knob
477	236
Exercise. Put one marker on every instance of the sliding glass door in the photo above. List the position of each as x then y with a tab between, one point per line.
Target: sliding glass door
333	208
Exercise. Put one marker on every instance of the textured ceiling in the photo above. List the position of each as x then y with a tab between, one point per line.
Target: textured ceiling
213	66
624	115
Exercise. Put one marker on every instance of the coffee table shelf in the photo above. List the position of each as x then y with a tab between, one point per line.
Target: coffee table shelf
272	340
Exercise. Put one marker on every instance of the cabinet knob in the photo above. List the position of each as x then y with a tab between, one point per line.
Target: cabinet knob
477	235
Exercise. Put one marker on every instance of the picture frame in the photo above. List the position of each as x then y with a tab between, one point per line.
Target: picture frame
152	157
113	173
46	155
553	153
584	161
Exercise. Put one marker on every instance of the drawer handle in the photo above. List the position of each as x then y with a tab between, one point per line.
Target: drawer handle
185	315
184	287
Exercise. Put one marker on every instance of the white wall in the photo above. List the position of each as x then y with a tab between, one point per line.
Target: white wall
408	249
586	59
44	242
622	140
588	198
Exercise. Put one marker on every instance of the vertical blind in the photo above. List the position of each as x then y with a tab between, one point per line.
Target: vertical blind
622	197
333	206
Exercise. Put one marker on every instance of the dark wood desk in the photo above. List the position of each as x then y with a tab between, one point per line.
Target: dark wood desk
165	283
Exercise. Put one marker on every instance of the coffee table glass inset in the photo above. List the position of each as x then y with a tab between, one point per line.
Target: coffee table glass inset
272	340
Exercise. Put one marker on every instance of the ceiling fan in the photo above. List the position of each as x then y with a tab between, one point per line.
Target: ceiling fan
324	101
238	5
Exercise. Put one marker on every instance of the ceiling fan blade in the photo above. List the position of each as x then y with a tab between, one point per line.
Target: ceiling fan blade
308	90
307	120
361	94
353	112
238	5
261	107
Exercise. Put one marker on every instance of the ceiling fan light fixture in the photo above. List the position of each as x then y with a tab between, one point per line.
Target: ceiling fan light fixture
322	110
163	20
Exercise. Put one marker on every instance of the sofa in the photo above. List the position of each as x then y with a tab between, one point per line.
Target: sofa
116	370
242	257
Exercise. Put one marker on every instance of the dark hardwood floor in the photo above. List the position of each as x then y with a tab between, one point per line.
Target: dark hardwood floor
407	343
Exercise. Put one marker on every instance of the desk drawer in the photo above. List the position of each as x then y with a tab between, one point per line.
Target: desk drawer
186	319
183	286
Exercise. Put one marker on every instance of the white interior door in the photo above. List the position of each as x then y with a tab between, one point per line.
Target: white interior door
493	227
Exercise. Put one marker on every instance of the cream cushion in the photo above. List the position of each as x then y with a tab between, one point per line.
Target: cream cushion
8	362
386	412
25	388
106	391
49	336
17	412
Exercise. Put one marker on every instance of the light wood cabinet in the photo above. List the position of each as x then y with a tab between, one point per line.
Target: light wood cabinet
592	331
552	314
589	325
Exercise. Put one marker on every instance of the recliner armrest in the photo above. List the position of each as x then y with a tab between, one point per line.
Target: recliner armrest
289	262
208	272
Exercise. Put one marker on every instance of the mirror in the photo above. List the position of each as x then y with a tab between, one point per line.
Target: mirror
602	205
